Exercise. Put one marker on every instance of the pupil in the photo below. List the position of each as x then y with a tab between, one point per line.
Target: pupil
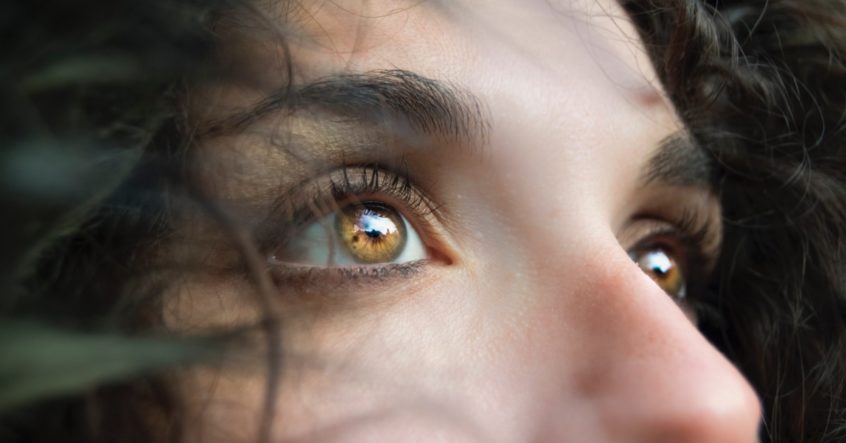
659	263
371	233
376	225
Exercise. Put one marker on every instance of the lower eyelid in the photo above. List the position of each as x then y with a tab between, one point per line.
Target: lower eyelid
300	276
328	193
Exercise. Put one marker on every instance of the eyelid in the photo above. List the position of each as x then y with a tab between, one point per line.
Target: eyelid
690	236
315	276
351	184
690	239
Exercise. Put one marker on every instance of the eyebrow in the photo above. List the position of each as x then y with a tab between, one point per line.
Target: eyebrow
385	97
679	161
404	98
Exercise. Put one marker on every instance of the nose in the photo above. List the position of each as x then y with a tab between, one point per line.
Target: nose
648	374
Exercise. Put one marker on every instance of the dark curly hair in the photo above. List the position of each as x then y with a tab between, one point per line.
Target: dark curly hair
762	85
93	112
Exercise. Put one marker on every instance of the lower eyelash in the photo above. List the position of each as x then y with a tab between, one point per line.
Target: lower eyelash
320	277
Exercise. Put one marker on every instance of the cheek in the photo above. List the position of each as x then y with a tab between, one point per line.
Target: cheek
393	362
443	359
464	354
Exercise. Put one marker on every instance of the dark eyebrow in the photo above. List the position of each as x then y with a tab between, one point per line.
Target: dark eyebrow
679	161
386	97
403	98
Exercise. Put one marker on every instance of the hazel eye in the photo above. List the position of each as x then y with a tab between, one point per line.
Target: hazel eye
371	233
662	267
360	233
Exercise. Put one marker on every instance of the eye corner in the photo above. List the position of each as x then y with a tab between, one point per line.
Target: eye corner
440	257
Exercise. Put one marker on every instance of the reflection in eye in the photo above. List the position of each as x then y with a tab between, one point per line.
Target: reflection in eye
662	267
360	233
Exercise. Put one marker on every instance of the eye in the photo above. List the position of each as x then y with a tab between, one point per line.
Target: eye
361	233
662	267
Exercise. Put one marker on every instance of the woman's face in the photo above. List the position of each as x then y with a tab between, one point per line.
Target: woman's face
483	221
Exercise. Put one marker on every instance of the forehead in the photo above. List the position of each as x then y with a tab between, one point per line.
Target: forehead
445	39
566	86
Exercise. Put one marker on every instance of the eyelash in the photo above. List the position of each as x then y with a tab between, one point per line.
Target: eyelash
687	237
351	183
375	179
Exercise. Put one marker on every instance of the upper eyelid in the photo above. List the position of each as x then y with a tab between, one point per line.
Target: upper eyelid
400	187
694	224
686	241
694	212
400	183
672	237
319	196
697	264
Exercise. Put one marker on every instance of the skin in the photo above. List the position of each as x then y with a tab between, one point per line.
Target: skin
528	320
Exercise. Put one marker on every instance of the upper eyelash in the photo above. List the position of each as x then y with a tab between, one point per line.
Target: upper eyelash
693	235
307	203
376	179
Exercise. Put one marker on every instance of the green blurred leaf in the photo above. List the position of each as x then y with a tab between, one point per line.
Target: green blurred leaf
63	172
38	362
86	69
